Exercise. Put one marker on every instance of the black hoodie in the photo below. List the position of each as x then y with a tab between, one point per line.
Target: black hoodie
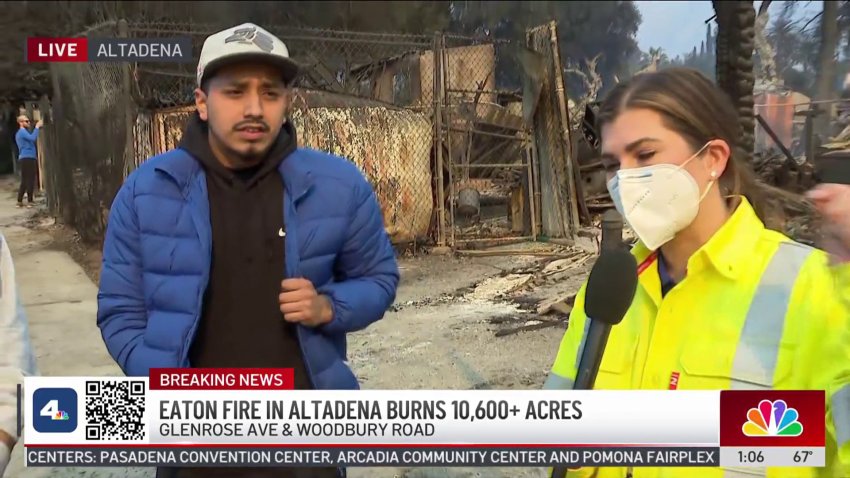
241	323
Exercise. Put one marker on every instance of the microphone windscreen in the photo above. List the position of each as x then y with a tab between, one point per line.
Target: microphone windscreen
611	286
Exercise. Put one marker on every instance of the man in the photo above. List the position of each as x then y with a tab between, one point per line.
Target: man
16	357
27	157
238	248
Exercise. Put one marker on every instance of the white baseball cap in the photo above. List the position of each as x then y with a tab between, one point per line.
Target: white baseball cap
245	42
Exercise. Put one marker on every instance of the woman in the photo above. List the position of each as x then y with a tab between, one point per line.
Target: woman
723	302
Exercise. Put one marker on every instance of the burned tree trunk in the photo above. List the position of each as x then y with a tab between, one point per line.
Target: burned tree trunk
734	67
825	77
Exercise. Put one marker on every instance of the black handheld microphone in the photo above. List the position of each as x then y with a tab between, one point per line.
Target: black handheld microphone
609	293
612	230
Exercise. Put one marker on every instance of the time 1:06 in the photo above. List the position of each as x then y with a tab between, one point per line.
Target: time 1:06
750	457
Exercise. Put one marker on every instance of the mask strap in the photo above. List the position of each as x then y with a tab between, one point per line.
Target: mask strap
695	155
710	183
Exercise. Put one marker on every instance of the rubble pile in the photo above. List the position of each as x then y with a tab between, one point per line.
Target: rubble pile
485	228
774	168
546	274
840	142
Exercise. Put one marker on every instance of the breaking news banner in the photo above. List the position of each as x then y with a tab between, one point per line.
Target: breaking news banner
252	417
42	49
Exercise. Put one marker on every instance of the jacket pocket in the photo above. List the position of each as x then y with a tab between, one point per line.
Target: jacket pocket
615	371
712	366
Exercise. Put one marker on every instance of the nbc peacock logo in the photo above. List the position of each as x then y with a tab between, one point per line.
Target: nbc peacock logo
772	419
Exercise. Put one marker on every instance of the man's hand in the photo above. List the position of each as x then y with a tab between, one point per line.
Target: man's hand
6	445
300	303
833	202
39	124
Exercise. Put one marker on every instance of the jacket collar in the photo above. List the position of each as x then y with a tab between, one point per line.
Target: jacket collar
297	174
730	248
296	171
727	252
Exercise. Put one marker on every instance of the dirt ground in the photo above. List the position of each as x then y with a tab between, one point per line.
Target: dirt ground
457	323
446	314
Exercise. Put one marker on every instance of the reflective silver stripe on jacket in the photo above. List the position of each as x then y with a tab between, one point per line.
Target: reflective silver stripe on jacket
743	472
559	382
840	405
758	347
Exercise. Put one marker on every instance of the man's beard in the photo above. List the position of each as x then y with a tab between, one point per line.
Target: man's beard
251	156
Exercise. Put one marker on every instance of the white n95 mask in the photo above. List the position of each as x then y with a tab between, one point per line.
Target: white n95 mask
657	201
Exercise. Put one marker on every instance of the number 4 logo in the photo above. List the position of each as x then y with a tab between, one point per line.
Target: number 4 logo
52	410
56	410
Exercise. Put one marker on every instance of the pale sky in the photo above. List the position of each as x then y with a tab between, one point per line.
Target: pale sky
678	26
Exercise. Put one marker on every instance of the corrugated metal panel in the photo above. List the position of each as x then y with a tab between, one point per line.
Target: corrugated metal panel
392	148
467	66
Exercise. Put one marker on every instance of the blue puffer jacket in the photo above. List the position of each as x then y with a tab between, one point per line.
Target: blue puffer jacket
157	254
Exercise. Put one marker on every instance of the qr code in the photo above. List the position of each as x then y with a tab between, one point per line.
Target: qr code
115	410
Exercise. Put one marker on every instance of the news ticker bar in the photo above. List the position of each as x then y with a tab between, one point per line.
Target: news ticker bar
471	456
252	410
170	49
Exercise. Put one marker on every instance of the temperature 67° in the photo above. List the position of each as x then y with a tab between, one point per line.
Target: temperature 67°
802	456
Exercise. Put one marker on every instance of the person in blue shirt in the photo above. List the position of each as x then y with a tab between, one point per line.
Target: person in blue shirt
27	157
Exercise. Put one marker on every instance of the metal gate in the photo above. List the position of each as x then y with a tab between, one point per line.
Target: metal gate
504	168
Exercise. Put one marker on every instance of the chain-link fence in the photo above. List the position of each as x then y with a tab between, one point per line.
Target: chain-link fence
374	98
363	97
86	138
490	181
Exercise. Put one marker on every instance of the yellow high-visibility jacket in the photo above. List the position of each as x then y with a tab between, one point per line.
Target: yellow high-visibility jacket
755	311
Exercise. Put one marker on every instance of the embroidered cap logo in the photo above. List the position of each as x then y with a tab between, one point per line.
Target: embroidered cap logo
252	35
